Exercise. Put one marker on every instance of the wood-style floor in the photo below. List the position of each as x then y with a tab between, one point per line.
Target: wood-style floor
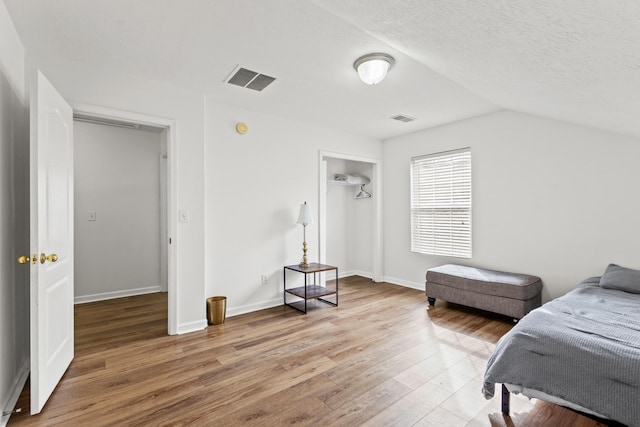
379	359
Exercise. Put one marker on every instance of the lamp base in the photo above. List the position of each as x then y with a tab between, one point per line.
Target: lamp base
304	263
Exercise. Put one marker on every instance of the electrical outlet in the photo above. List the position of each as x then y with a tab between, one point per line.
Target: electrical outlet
264	279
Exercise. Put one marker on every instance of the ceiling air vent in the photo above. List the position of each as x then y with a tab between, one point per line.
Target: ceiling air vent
249	79
403	118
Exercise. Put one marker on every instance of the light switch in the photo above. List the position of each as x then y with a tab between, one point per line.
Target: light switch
91	215
183	215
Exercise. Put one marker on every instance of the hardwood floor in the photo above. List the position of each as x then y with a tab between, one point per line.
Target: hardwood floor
379	359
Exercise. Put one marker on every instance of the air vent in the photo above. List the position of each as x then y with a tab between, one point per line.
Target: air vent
249	79
403	118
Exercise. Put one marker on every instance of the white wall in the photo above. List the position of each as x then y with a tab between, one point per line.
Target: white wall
255	184
117	176
83	84
349	220
14	216
549	199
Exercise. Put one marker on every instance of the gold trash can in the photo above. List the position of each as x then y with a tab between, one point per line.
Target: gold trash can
216	310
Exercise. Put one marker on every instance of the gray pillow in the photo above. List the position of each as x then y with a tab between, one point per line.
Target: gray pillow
622	279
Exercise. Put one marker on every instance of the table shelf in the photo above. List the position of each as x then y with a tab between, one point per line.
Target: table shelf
312	291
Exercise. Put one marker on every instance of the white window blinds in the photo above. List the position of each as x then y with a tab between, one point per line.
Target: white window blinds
441	204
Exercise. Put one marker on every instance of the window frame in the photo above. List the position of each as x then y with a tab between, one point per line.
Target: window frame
441	203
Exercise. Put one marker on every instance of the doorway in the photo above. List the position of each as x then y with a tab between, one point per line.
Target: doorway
127	199
364	259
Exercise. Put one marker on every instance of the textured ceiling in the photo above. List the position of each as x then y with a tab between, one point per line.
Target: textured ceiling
572	60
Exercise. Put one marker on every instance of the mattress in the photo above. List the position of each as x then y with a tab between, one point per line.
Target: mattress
583	348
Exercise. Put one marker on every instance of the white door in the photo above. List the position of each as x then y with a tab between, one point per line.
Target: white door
51	239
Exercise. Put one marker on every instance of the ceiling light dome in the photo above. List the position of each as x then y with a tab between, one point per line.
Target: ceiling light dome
372	68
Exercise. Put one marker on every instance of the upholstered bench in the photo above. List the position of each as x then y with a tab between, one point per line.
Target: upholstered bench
510	294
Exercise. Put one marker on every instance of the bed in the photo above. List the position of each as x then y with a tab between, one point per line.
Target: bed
581	350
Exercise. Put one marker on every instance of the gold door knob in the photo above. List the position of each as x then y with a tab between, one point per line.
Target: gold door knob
50	258
24	259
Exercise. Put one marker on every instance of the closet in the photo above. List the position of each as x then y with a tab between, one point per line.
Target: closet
350	213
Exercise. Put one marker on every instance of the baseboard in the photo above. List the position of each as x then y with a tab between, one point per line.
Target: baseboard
407	284
116	294
194	326
355	273
14	393
249	308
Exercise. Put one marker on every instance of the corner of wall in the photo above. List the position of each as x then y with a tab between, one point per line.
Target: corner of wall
14	206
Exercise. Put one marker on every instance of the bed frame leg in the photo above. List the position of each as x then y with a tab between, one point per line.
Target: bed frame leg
432	301
505	400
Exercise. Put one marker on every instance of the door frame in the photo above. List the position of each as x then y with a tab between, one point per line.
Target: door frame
172	196
376	184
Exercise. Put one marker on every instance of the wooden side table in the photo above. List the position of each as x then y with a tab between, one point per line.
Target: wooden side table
313	290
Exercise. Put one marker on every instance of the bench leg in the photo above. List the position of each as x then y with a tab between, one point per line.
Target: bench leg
505	400
432	301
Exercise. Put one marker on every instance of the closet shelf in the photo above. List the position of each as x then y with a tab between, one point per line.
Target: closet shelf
331	181
346	179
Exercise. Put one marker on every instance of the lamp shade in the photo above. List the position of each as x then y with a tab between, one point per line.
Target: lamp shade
305	217
372	68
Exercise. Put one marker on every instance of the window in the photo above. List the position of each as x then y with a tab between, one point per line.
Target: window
441	204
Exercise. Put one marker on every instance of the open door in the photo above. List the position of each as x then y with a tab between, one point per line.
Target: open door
51	257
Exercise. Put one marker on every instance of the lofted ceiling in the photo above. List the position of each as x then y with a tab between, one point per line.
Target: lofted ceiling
572	60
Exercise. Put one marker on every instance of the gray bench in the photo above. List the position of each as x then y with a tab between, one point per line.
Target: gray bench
510	294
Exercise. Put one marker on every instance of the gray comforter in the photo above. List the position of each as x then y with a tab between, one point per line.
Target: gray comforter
583	347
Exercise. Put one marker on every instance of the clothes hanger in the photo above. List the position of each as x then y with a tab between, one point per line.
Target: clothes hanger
362	194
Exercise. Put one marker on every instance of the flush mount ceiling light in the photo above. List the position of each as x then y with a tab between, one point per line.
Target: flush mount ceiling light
372	67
